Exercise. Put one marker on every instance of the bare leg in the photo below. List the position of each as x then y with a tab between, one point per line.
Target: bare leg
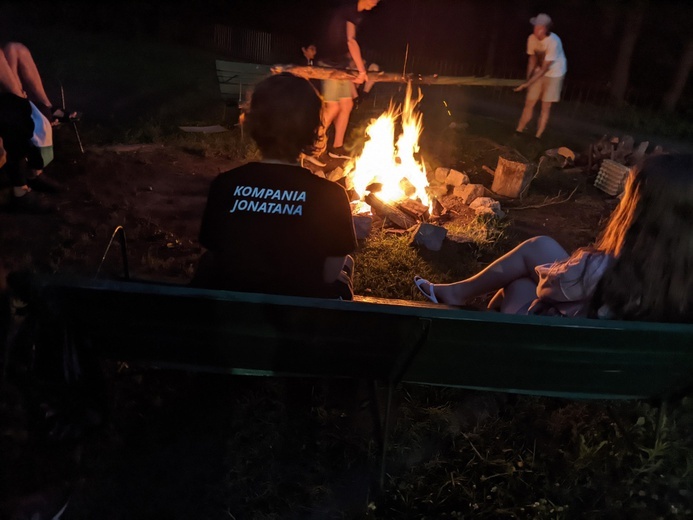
527	113
24	67
341	122
329	113
518	296
9	81
543	117
518	263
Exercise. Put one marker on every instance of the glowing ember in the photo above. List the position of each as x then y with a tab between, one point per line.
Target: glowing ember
384	162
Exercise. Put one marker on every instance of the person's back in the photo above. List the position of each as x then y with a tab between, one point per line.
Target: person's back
273	226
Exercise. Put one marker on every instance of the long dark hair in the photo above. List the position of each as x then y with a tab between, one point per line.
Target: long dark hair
284	118
650	235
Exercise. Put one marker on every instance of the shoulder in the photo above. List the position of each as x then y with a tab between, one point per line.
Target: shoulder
239	170
553	39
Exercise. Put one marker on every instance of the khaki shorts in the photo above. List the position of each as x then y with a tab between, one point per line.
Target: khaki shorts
333	90
546	89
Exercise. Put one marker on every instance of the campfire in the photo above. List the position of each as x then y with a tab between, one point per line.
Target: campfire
388	176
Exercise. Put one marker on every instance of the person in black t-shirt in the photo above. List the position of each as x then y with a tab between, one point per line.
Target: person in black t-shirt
272	226
339	49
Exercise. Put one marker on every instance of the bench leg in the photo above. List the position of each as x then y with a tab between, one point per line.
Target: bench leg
386	433
661	420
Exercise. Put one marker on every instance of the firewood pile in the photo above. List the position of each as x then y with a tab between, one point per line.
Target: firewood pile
612	157
619	149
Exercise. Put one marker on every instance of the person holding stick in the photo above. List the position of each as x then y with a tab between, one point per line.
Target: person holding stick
546	69
339	49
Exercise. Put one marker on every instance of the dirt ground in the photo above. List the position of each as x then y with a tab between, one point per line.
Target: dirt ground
158	192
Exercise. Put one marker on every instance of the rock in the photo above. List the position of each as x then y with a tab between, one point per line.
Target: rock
456	178
487	205
469	192
435	192
441	174
362	225
429	236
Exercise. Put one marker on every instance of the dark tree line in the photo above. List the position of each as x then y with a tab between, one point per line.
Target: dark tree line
646	44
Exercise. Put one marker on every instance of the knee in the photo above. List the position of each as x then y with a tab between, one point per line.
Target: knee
541	241
16	49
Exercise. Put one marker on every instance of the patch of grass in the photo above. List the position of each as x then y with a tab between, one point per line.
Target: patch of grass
232	144
534	458
386	263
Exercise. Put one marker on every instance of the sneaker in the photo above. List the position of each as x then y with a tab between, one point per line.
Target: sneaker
30	203
43	184
338	152
312	159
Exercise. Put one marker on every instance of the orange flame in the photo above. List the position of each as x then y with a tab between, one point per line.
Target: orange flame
382	161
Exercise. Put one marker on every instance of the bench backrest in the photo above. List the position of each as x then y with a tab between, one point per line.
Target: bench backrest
238	333
246	333
236	78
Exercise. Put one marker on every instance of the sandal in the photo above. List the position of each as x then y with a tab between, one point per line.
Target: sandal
418	281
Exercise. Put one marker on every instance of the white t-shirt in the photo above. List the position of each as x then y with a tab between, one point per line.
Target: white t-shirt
549	49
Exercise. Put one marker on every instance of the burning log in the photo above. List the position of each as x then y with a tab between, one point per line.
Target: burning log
390	212
392	77
414	209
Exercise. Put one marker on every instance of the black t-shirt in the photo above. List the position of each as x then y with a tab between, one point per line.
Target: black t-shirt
271	226
334	49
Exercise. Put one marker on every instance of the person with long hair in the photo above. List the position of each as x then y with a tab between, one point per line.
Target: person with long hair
640	268
272	226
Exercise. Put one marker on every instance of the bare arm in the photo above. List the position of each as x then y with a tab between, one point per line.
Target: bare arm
355	52
535	76
531	65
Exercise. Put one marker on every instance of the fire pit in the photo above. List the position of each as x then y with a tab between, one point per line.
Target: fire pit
388	177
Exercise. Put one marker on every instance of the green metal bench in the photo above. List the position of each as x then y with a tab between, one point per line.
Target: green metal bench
390	340
387	341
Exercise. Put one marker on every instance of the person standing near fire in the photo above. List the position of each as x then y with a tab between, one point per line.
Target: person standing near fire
546	69
339	49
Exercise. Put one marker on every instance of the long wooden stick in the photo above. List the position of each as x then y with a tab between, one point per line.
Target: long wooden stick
391	77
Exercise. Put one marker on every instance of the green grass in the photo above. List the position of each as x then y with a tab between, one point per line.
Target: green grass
386	263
